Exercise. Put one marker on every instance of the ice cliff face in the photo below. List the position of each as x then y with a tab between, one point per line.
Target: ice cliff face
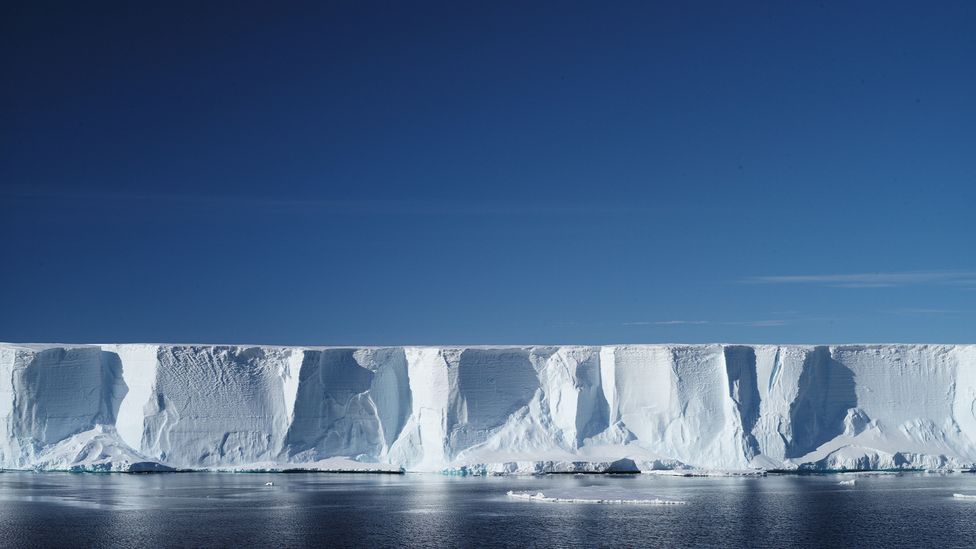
494	409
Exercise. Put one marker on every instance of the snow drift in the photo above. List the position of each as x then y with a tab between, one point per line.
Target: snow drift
539	409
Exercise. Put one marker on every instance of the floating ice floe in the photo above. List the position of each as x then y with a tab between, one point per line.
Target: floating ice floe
539	496
847	482
964	496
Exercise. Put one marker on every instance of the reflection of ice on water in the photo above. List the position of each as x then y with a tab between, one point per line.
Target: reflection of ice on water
69	501
590	495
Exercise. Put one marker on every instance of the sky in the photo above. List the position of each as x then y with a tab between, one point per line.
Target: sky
384	173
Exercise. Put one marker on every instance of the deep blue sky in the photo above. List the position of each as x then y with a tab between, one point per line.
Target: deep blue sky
491	172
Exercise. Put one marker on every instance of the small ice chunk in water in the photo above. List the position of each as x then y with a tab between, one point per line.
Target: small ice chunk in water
964	496
539	496
847	482
269	484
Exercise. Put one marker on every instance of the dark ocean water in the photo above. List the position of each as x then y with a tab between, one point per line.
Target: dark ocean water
225	509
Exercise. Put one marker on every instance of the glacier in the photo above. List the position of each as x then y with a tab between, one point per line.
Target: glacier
487	409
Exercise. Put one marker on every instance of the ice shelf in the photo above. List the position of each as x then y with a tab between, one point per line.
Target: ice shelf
488	410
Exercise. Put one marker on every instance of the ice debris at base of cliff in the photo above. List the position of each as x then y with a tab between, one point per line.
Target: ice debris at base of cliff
488	410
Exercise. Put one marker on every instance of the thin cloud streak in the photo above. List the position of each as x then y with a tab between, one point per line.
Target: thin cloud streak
676	322
760	323
872	280
664	322
923	311
751	323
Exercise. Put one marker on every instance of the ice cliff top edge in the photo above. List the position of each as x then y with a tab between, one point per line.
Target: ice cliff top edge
488	409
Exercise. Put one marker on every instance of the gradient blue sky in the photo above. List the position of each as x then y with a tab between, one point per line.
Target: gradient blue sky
504	172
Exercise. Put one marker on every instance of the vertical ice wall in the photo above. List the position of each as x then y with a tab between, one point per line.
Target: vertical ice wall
49	394
139	374
217	406
428	408
963	413
744	400
696	404
572	393
350	403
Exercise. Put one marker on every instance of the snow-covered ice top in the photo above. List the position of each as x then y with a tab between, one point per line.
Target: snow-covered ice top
488	409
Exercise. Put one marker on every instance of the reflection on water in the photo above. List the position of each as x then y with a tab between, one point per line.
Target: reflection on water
430	510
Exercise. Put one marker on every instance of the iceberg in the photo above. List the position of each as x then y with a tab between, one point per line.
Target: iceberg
709	409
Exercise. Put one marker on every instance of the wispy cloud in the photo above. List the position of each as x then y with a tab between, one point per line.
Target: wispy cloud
872	280
664	322
923	311
751	323
676	322
760	323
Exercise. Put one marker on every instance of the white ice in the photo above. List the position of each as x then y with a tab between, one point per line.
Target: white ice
690	409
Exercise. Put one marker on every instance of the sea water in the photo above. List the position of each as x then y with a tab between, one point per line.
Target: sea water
227	509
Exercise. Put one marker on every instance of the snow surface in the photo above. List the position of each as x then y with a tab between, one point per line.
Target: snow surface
691	409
